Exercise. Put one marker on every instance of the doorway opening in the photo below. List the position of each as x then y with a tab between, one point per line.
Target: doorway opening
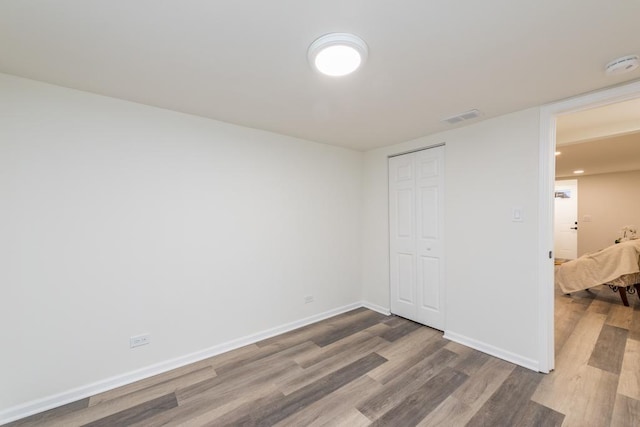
550	115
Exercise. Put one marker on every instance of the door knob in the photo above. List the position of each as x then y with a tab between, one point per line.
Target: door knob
574	228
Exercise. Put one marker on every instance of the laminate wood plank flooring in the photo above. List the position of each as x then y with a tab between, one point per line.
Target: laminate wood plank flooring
626	411
166	382
417	405
620	316
278	409
401	330
334	405
514	392
352	325
291	383
609	349
634	331
51	416
536	415
483	383
414	355
629	384
137	413
466	400
470	361
362	368
594	401
338	348
567	315
403	386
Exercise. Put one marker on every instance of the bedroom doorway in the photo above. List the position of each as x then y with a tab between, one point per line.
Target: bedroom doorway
549	115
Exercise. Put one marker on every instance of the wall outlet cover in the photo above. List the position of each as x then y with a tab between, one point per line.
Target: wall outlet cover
138	340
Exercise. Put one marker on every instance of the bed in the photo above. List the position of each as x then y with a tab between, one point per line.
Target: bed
617	266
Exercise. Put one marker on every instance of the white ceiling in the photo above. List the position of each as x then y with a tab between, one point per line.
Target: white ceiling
599	140
607	155
595	123
245	62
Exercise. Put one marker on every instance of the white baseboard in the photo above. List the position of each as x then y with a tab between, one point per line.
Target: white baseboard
49	402
375	307
82	392
493	351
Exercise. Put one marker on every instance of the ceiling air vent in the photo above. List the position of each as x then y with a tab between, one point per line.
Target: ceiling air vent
467	115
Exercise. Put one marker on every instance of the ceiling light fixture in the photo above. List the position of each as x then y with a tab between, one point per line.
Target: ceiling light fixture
337	54
579	171
622	65
558	153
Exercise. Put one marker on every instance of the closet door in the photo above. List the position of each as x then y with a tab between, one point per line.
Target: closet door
416	203
402	208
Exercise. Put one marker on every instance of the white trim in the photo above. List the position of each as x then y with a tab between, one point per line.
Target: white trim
82	392
546	301
442	144
548	114
376	307
492	350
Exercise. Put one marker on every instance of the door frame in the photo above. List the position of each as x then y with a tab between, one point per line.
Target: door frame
547	164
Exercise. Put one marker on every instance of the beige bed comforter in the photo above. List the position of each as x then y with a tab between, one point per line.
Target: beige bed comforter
599	267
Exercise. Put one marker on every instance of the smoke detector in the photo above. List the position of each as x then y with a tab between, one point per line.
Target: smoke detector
622	65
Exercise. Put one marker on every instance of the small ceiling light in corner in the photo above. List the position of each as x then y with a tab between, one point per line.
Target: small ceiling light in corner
337	54
622	65
578	172
558	153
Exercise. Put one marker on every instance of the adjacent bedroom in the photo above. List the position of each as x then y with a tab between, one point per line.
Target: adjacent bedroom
597	250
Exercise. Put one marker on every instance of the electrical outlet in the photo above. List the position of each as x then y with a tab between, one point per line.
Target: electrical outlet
308	299
138	340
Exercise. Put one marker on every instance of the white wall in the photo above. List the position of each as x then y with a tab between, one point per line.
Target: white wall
118	219
491	262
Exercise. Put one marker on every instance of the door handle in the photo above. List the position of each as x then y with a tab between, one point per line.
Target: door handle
574	228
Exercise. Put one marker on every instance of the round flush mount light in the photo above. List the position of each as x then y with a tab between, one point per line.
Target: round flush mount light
337	54
622	65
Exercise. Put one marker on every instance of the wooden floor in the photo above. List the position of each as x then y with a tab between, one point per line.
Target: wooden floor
362	368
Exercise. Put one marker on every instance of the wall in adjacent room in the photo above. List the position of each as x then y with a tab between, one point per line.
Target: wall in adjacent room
119	219
491	262
606	203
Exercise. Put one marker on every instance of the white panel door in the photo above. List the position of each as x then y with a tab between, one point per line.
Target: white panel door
429	242
416	195
403	235
565	224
